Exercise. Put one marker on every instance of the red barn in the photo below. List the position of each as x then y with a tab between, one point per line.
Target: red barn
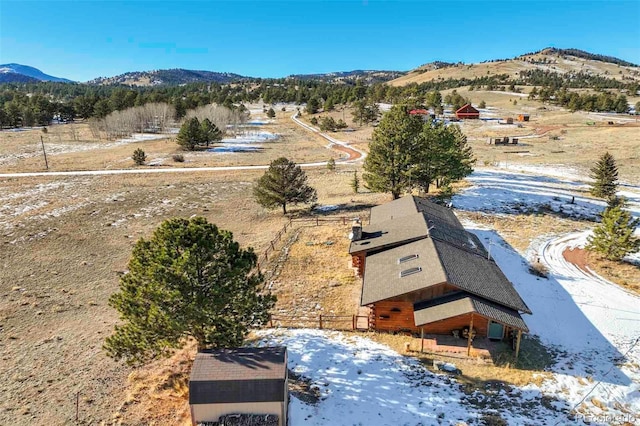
467	111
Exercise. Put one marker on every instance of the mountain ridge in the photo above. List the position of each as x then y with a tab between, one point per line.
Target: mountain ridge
24	73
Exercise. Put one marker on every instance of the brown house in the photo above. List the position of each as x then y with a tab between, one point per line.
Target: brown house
250	383
424	273
467	111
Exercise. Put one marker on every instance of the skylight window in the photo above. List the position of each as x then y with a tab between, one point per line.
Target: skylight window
407	258
410	271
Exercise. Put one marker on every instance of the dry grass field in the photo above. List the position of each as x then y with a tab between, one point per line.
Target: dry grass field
514	66
65	241
72	147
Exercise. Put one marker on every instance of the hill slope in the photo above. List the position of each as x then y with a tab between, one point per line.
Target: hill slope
369	76
23	73
169	77
561	61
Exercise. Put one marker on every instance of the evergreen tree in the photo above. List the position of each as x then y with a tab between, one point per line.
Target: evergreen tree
614	238
482	104
605	176
190	134
283	183
312	106
355	182
139	157
209	132
391	158
271	113
190	279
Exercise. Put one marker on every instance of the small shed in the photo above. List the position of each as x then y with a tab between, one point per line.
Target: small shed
523	117
467	111
240	382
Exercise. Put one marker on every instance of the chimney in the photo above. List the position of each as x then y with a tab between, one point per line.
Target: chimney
356	230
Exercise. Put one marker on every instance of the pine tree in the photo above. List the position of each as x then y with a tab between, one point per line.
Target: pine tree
355	182
209	132
614	238
283	183
139	157
190	134
605	176
190	279
391	157
271	113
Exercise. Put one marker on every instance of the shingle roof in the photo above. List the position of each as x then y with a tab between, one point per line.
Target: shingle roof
478	275
390	233
238	375
382	271
460	303
448	253
240	364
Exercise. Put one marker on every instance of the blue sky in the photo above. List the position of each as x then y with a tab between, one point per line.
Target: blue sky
82	40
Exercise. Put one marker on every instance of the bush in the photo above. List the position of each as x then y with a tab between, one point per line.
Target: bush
538	269
314	121
482	104
331	164
178	158
139	157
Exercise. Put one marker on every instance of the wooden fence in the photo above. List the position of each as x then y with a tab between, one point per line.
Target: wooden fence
323	322
311	221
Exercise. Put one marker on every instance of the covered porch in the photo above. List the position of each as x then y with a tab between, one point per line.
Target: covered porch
463	323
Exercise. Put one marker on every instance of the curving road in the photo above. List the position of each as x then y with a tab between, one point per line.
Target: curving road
614	311
354	156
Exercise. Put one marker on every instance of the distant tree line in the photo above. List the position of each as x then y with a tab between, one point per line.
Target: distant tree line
27	104
601	102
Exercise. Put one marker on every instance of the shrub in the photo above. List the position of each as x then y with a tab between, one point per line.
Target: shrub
538	269
331	164
139	157
178	158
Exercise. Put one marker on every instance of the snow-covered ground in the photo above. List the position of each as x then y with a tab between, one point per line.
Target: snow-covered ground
588	323
361	382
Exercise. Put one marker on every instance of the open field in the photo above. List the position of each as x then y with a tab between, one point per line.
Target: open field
22	151
66	240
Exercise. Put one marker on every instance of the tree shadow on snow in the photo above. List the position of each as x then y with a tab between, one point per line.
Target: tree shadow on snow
513	193
579	348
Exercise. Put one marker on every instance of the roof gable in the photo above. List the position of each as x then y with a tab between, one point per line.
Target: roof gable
383	271
467	108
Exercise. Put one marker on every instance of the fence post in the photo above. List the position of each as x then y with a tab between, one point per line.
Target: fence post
272	247
317	221
353	322
320	321
344	220
266	254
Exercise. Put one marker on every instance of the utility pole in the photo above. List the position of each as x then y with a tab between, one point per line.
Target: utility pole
46	163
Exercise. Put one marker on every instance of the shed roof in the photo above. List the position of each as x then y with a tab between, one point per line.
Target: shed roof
461	303
240	375
240	364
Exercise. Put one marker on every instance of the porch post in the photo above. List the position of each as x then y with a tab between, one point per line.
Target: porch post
421	339
518	343
469	336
